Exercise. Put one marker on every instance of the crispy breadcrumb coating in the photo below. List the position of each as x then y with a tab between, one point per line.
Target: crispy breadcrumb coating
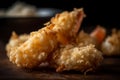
15	41
73	57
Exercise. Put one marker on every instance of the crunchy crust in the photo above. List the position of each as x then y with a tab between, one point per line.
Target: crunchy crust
73	57
15	41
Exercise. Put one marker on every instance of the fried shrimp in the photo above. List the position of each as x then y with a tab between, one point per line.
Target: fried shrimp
60	30
71	57
111	45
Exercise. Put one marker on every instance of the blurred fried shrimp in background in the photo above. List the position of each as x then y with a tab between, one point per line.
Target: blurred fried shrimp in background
99	33
111	45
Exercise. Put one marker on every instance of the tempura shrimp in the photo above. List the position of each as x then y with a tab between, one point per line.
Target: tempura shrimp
60	30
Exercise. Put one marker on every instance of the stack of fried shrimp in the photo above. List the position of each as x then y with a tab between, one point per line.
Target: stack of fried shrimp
58	43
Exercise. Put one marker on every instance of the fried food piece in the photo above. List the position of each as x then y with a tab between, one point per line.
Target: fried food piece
66	25
16	41
71	57
85	39
111	45
44	41
95	37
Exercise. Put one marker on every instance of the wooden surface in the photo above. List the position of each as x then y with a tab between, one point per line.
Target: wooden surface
109	70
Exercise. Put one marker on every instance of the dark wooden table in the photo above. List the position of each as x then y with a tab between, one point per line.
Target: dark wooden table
109	70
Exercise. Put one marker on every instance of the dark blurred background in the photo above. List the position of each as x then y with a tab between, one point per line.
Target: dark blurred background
99	12
104	12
